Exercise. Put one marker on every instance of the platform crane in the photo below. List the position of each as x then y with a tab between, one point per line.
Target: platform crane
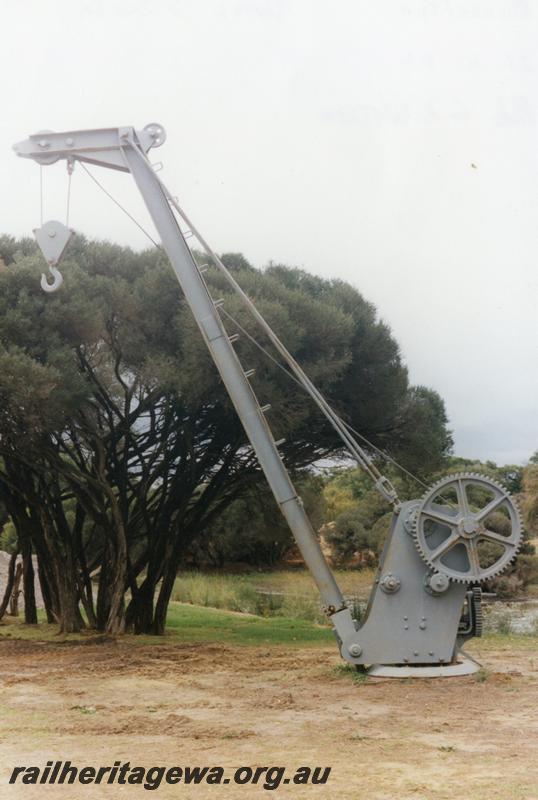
441	548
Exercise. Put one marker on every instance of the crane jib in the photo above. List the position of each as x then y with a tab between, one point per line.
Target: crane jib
413	623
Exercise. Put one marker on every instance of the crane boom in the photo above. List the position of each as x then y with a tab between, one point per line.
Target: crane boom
413	623
125	149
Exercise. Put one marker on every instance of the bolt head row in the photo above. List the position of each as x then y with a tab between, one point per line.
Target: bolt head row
44	143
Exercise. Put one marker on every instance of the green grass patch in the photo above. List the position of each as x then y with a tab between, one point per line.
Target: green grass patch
351	673
189	624
482	675
14	628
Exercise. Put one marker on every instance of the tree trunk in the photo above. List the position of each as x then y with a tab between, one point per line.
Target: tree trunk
110	594
87	601
165	592
61	554
161	608
115	623
143	614
84	582
70	620
10	583
139	616
116	552
50	599
28	581
14	602
103	604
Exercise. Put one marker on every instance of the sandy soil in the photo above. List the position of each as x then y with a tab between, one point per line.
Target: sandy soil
206	704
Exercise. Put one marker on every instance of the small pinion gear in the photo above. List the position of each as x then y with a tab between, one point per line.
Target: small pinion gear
468	527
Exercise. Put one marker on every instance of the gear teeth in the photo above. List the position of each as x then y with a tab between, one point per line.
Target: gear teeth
477	611
515	503
454	575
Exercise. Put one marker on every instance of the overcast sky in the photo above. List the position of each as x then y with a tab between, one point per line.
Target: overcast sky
390	143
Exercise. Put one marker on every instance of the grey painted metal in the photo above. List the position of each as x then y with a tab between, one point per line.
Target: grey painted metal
52	239
405	622
408	624
414	611
449	535
57	280
99	147
463	666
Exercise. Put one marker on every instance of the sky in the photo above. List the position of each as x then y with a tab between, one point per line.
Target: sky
392	144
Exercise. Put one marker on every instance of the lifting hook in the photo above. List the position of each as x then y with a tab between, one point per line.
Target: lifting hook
52	239
57	280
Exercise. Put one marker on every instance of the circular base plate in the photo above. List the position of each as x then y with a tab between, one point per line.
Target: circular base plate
463	666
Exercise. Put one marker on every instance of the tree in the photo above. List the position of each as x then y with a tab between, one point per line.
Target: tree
251	530
423	437
354	508
530	498
120	446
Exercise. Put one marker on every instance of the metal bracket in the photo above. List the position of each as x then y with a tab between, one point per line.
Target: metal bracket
102	147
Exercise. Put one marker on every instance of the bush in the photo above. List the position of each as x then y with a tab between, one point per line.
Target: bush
347	536
514	582
8	538
300	606
216	592
360	531
506	586
252	530
530	498
527	569
246	599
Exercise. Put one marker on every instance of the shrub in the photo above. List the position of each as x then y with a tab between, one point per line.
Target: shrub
246	599
515	581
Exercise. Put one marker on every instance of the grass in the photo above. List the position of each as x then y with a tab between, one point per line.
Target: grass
283	593
279	607
83	709
189	624
498	641
355	675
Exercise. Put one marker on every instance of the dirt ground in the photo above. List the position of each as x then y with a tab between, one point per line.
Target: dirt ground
173	704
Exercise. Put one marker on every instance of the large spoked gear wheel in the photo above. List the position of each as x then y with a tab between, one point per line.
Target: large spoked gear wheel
468	527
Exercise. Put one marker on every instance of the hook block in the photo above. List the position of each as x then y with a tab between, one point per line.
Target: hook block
52	239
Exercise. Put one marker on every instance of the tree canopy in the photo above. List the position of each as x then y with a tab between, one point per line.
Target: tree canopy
119	446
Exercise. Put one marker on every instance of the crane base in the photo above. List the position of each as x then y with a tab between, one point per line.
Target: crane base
463	666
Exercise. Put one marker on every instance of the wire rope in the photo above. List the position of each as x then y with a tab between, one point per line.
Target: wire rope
117	202
339	423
